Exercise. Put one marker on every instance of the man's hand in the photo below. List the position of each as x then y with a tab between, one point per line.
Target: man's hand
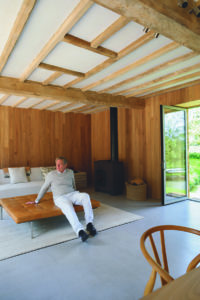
31	202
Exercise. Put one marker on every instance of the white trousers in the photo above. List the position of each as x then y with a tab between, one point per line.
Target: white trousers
65	203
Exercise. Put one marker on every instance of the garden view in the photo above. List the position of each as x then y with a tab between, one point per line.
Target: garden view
194	153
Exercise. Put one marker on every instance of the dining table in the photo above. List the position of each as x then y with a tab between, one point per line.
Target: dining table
186	287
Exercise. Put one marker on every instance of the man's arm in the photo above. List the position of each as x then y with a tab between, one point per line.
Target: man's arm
43	189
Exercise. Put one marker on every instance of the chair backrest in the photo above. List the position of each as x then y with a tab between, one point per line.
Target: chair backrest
162	268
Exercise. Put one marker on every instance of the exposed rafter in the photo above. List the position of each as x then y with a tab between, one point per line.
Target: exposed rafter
139	62
162	16
133	46
76	14
86	45
61	70
17	28
113	28
33	89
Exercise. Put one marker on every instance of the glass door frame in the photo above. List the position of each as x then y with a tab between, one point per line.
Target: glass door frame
163	163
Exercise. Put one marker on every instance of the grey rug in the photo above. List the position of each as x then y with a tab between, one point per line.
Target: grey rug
15	239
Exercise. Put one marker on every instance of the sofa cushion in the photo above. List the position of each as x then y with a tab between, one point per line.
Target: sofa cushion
46	170
36	174
17	175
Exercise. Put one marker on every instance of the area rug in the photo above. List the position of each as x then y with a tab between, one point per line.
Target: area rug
15	239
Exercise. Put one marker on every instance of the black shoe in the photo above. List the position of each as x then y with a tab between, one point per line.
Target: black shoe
91	229
83	235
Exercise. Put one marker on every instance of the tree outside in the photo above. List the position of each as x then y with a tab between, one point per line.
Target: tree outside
194	152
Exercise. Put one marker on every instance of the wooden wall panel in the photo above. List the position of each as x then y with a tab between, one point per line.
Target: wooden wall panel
131	141
100	136
33	137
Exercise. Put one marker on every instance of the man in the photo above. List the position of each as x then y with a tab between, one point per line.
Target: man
63	187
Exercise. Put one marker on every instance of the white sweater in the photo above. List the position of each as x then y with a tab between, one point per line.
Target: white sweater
60	183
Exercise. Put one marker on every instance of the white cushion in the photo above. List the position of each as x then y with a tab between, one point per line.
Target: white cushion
36	174
17	175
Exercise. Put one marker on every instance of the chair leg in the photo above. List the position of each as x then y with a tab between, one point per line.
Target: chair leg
151	282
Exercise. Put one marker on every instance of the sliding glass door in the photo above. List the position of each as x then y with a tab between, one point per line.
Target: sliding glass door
174	154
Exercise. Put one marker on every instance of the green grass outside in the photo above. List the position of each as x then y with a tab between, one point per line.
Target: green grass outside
194	173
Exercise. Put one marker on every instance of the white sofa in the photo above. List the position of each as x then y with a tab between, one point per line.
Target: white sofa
33	185
35	181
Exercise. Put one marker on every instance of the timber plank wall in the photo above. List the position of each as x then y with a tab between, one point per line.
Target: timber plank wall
30	137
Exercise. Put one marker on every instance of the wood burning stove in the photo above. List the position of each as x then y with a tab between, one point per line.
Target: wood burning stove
109	174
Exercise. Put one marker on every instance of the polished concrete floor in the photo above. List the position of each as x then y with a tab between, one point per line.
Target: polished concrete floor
108	266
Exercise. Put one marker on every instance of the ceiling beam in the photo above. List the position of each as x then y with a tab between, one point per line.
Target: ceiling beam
172	89
112	29
3	99
139	62
34	89
125	51
180	73
59	69
20	101
163	16
71	20
17	28
164	84
161	67
87	45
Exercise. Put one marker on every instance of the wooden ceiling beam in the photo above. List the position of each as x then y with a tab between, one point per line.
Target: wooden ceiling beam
112	29
20	101
72	109
61	70
21	19
161	67
172	89
35	104
87	45
130	48
71	20
49	105
3	99
160	79
139	62
164	17
95	110
52	77
35	89
164	84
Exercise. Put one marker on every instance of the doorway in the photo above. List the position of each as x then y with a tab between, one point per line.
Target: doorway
174	154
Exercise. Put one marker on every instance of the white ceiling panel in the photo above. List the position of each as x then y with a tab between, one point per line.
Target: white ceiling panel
28	102
38	30
58	105
40	105
94	22
12	100
8	13
74	58
74	106
64	79
124	37
40	75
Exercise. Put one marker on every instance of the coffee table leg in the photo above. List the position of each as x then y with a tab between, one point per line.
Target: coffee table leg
31	224
1	212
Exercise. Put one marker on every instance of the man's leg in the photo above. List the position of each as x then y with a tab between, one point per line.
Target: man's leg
65	204
84	200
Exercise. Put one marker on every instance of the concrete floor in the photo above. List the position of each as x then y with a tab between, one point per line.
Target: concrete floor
108	266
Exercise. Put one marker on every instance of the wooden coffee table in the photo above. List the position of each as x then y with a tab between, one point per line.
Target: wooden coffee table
20	211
